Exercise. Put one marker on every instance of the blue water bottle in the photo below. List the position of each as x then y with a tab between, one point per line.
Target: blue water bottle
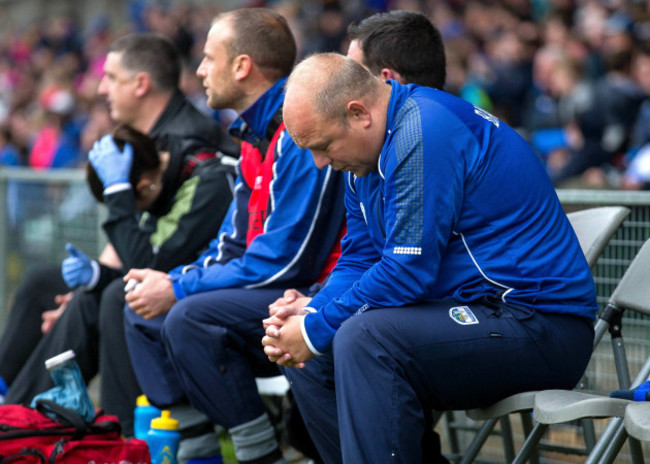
163	439
142	416
70	390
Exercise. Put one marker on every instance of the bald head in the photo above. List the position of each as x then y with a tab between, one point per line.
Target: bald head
328	81
337	109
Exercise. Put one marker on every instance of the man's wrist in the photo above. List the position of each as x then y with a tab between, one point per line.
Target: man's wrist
318	332
177	289
95	276
305	336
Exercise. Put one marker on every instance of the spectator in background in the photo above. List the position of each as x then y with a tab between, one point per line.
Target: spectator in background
56	143
618	100
562	109
9	153
636	175
576	107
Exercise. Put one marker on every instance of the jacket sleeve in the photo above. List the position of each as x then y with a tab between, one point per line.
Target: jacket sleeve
106	276
357	253
199	207
273	257
230	242
418	224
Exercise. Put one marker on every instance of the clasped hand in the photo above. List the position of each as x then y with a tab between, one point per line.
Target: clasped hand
153	296
283	342
111	165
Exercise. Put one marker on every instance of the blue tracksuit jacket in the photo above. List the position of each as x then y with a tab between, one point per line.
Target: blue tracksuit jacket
459	207
296	231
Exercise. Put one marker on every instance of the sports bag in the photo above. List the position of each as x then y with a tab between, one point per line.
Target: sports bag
52	434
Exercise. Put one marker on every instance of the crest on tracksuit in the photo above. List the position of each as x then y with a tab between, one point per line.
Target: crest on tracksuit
463	315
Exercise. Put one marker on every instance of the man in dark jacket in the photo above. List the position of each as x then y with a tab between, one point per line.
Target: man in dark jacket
141	85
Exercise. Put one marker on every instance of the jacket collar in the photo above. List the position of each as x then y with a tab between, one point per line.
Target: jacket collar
174	106
252	122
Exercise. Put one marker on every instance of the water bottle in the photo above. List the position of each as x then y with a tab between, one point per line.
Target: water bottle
163	439
143	415
70	390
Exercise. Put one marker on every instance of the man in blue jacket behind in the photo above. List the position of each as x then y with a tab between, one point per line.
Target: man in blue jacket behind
460	282
195	332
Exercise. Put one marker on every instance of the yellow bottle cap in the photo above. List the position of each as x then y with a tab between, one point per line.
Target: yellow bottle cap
142	401
164	422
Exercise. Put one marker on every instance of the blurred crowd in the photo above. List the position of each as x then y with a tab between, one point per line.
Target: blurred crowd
573	76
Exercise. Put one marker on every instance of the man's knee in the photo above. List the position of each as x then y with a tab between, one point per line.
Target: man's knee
111	304
356	333
176	326
43	278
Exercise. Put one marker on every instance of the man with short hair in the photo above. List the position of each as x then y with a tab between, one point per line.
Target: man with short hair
400	45
459	268
195	332
140	82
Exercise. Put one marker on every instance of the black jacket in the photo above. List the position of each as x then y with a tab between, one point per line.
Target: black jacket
197	191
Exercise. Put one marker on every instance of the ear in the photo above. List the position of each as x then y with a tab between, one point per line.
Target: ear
359	113
242	66
142	84
145	187
388	73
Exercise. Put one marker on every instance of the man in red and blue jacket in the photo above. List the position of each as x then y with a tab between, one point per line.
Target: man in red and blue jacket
194	334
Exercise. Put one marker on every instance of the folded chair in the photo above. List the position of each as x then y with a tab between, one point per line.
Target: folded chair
559	406
594	228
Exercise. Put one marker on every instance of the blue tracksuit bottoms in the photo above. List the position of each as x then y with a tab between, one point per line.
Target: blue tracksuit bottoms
369	400
208	350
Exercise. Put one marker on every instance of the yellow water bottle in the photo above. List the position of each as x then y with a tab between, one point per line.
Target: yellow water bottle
163	439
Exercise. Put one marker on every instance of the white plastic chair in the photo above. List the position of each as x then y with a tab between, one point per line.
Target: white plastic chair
637	420
594	228
558	406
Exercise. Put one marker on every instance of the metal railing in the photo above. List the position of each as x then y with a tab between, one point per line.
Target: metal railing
40	211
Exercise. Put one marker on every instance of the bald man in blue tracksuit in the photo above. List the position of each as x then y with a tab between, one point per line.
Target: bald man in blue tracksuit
461	280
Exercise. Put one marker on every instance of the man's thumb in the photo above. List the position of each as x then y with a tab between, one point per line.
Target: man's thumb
73	250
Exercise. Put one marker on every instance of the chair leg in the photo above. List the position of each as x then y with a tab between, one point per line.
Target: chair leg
506	436
589	434
437	415
617	443
527	425
530	443
605	439
636	450
451	431
478	441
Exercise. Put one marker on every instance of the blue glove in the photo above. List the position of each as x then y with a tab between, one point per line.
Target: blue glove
111	165
77	269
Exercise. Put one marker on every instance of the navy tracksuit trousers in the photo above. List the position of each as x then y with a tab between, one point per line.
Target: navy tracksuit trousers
207	349
369	400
